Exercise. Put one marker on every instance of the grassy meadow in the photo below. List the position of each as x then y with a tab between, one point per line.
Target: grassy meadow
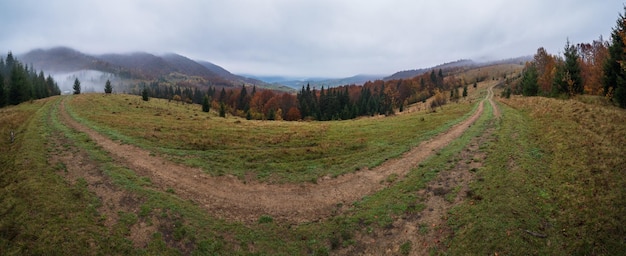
270	151
42	210
552	182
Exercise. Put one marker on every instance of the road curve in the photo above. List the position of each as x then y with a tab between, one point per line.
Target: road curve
229	198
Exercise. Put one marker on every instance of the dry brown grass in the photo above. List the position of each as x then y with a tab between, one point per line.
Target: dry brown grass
553	183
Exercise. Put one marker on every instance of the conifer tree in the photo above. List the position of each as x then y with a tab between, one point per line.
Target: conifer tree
107	87
222	95
76	86
572	68
3	98
52	86
222	110
243	103
529	81
206	106
614	68
144	94
18	85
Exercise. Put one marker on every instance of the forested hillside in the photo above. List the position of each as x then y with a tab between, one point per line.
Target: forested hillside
20	83
595	68
339	103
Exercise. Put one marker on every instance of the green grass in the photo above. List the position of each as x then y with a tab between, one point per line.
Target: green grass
270	151
40	212
555	170
43	214
379	210
546	172
183	226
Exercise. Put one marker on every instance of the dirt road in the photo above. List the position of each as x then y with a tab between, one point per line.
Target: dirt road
229	198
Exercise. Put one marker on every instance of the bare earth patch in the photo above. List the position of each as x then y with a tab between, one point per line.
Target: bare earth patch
426	231
229	198
74	164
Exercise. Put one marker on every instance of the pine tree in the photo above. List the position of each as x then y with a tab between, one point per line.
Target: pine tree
76	86
614	73
572	67
9	63
18	85
52	86
243	103
529	81
464	91
222	95
107	87
144	94
206	106
3	98
222	110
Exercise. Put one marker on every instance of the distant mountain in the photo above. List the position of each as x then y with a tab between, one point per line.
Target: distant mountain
297	83
416	72
519	60
356	80
139	65
63	60
230	76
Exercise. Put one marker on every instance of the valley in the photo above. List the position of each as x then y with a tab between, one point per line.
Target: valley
313	128
145	195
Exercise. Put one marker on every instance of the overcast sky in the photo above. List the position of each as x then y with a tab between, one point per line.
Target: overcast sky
331	38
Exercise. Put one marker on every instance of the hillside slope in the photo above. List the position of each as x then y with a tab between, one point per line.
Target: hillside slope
138	65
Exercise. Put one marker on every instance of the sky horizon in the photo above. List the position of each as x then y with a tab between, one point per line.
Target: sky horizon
302	38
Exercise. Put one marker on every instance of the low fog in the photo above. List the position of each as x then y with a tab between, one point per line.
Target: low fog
91	81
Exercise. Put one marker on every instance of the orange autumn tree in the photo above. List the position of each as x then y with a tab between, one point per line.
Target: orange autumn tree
546	69
592	59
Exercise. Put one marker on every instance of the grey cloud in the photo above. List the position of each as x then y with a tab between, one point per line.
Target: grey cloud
314	38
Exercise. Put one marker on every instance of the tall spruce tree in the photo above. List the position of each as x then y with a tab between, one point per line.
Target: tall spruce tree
76	86
19	87
574	80
529	81
222	95
243	103
206	106
615	66
107	87
222	109
144	94
3	97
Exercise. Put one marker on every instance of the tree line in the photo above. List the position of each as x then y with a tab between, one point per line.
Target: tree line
339	103
596	68
20	83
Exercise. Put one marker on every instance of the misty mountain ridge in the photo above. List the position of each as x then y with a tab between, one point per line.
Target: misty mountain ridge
317	82
462	63
65	64
135	66
406	74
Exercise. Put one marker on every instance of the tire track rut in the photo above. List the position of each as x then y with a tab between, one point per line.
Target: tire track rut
229	198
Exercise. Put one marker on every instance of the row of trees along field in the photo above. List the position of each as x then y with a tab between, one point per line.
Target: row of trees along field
339	103
596	68
19	83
